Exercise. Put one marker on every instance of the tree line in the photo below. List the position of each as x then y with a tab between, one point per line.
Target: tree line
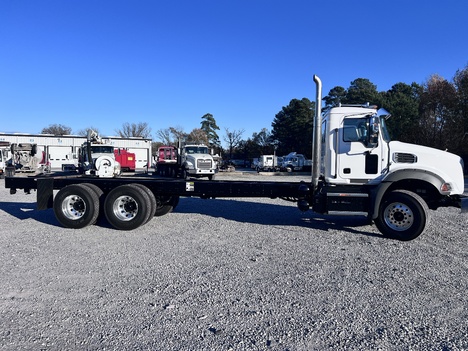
434	113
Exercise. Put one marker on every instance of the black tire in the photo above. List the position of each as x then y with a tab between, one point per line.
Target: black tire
403	215
95	188
211	177
166	204
152	203
127	207
76	206
100	195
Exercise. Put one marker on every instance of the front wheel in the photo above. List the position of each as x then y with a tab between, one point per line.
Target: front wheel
403	215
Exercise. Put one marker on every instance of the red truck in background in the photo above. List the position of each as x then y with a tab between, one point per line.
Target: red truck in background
126	159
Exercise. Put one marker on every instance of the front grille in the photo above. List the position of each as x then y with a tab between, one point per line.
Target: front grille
401	157
204	164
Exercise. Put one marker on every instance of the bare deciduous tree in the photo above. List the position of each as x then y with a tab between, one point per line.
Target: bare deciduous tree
198	136
56	129
178	134
233	139
84	132
129	130
164	136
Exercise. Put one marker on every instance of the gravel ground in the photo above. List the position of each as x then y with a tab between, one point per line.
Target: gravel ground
230	274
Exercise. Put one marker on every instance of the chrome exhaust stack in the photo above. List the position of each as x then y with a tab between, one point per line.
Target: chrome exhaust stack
316	135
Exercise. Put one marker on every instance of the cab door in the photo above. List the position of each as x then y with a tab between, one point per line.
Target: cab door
358	159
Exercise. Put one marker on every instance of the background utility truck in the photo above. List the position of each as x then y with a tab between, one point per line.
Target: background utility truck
193	160
97	158
4	156
356	170
296	162
27	157
267	163
126	159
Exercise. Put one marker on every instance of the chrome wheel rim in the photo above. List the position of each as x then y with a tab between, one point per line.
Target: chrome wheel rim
398	216
125	208
73	207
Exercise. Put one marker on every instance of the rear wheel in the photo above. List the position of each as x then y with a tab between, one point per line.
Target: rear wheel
127	207
99	194
403	215
76	206
166	204
153	204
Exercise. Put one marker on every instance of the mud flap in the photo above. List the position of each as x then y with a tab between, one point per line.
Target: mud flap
45	193
464	204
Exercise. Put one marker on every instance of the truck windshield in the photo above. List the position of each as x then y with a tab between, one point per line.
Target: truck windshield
196	149
384	130
102	149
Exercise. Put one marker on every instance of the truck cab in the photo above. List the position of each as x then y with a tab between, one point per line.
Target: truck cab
295	162
197	162
357	149
268	163
363	171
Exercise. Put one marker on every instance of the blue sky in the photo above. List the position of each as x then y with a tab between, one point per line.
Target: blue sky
102	63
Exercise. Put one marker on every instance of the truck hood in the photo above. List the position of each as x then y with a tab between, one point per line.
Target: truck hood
448	166
199	157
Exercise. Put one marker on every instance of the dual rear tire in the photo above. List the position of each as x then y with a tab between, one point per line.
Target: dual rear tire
126	207
77	206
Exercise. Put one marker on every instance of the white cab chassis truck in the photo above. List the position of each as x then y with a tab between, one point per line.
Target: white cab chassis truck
192	160
196	161
356	170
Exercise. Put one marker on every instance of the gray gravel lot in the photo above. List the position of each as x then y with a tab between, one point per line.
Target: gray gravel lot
230	274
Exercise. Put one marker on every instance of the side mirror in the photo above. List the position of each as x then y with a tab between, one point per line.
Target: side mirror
374	124
381	112
374	130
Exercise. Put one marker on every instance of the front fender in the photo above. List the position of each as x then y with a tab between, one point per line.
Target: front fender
389	179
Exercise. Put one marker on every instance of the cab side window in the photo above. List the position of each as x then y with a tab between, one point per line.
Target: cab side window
356	130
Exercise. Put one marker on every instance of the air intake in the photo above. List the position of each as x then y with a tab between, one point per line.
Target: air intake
401	157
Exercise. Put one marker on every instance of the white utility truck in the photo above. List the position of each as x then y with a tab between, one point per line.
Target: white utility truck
296	162
356	170
97	158
267	163
4	156
27	158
